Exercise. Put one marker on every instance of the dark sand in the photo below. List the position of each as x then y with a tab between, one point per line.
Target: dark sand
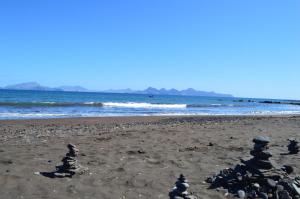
132	157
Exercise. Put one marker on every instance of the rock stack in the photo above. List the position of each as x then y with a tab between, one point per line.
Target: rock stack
180	189
70	164
261	155
258	177
293	146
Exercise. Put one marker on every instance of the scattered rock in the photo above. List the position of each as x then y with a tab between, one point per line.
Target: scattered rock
258	177
132	152
293	146
37	173
6	161
241	194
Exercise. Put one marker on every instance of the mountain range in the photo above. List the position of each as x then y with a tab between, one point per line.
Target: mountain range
37	87
148	91
163	91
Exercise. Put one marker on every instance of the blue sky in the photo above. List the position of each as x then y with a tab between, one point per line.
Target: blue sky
247	48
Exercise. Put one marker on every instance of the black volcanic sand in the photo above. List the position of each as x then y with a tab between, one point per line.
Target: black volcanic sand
132	157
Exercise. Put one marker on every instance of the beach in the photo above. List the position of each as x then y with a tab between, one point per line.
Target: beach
133	157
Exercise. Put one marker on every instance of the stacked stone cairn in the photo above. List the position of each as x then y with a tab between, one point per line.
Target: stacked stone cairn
261	155
180	191
258	177
70	164
293	146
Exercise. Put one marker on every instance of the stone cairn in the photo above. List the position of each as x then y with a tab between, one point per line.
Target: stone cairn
261	155
180	191
70	164
258	177
293	146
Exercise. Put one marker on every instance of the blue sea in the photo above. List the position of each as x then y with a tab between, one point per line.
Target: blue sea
51	104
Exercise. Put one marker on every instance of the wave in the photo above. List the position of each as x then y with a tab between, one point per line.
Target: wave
142	105
8	115
212	105
91	104
203	105
113	104
32	115
49	104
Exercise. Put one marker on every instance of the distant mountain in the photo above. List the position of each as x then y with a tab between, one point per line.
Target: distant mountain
28	86
148	91
127	90
163	91
73	88
37	87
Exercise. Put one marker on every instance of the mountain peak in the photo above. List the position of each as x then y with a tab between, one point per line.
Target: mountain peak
186	92
73	88
36	86
26	86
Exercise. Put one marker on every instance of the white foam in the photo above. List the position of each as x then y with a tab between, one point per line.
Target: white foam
29	115
143	105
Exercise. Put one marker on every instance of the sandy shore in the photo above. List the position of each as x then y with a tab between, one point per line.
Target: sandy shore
132	157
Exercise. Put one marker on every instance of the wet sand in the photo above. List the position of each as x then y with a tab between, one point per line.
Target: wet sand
133	157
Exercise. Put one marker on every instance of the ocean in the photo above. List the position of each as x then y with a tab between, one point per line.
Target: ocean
16	104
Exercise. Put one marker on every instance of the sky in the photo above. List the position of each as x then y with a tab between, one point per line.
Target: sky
248	48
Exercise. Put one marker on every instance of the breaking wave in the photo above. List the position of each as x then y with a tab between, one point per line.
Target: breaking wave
111	104
142	105
49	104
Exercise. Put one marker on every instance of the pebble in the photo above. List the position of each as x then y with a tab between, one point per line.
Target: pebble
241	194
256	185
263	195
261	139
279	187
37	173
271	183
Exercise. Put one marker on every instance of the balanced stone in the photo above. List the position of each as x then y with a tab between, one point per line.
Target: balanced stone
293	146
70	164
180	191
260	154
262	139
73	151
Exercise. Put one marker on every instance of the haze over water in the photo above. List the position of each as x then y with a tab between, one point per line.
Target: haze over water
48	104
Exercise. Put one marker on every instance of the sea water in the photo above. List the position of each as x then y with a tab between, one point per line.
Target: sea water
15	104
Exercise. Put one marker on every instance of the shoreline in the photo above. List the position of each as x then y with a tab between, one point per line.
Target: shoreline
141	117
